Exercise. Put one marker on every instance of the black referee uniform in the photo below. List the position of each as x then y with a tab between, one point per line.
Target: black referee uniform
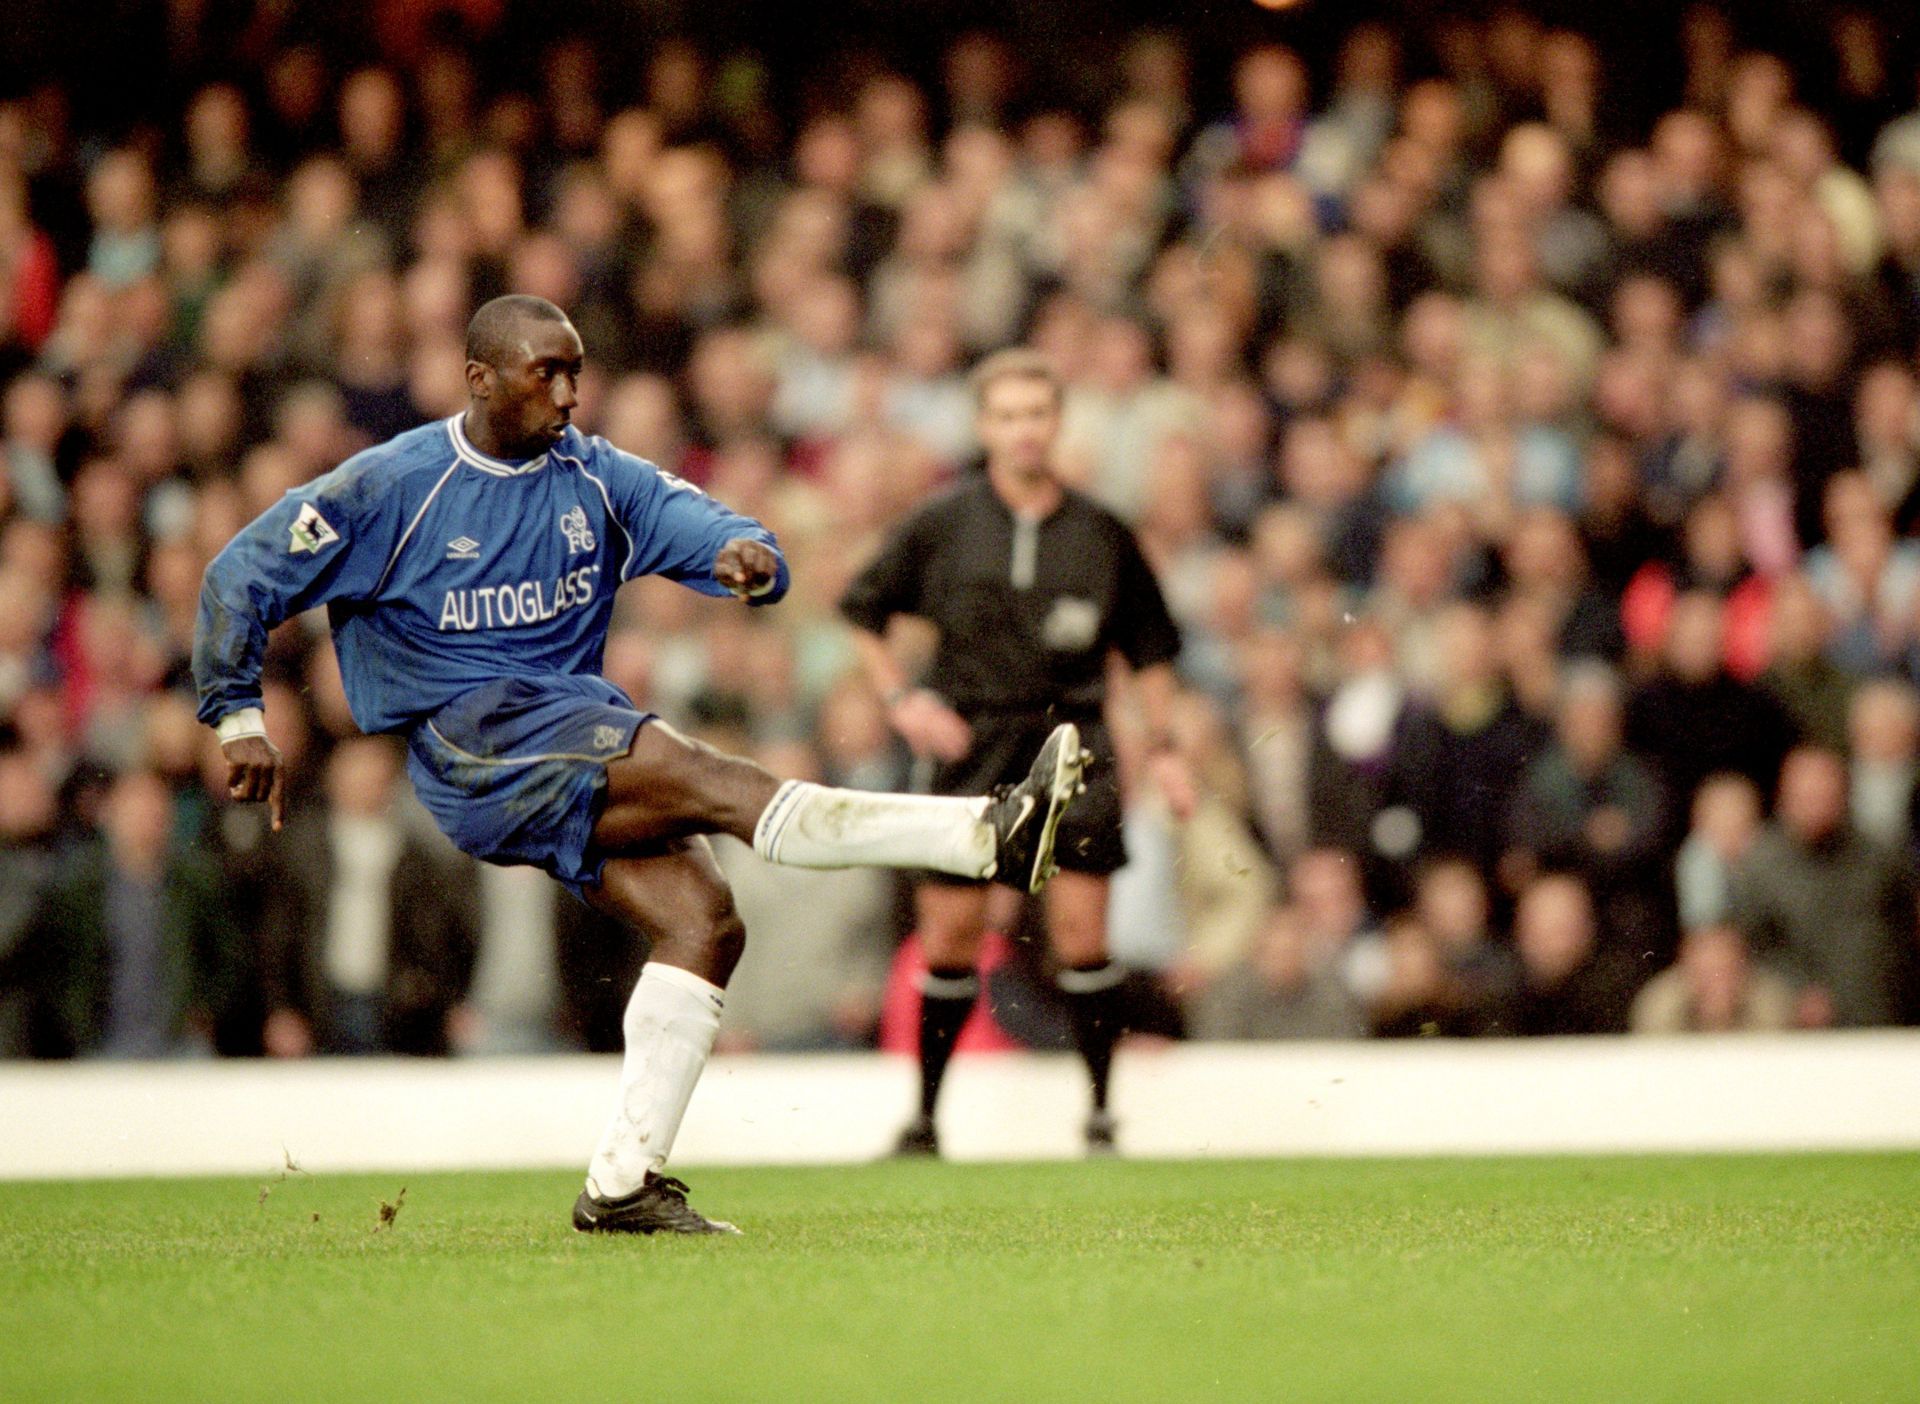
1027	612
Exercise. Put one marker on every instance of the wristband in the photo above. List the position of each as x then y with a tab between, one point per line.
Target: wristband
237	726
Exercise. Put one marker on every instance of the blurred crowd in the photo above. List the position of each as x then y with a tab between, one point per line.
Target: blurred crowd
1536	492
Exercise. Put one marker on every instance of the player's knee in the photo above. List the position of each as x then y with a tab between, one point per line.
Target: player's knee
701	783
713	923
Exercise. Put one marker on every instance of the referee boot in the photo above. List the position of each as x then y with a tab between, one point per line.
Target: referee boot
1026	816
919	1141
658	1206
1103	1134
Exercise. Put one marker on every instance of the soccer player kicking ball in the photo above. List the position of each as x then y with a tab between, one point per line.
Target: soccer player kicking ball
468	568
1033	589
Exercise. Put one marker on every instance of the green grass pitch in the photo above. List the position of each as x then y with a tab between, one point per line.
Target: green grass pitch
1645	1278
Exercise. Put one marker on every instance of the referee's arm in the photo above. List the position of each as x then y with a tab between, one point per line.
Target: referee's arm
891	585
922	717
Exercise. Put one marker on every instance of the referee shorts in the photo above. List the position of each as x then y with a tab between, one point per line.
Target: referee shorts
1004	745
515	772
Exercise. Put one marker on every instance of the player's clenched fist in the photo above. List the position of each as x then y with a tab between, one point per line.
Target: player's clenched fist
746	567
254	772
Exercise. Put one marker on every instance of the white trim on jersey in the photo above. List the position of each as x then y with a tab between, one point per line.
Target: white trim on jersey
473	458
633	543
407	535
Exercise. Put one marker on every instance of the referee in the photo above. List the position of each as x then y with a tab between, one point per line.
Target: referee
1033	589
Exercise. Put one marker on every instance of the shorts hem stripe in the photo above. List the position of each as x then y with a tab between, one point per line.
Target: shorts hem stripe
510	761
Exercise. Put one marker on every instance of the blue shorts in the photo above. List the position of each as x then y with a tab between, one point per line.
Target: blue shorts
516	771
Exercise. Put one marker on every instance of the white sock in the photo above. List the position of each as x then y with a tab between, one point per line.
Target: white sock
812	826
669	1025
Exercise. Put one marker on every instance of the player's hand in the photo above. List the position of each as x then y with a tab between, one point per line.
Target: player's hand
746	567
930	727
255	772
1174	779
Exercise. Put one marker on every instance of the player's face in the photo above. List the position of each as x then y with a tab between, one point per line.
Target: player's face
533	392
1018	420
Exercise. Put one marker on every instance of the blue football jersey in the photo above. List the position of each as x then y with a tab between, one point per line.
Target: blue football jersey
444	569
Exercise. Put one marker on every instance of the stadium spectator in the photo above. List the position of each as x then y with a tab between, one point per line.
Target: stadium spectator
369	934
1714	987
1363	346
131	952
1588	806
1224	880
1276	738
1446	973
1884	762
1693	718
550	974
1832	911
28	861
1460	757
1869	580
1325	887
1801	675
1569	983
1286	987
1725	822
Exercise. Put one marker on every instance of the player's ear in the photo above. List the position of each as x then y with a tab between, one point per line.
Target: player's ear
479	379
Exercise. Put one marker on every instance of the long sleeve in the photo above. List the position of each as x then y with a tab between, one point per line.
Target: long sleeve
673	528
331	540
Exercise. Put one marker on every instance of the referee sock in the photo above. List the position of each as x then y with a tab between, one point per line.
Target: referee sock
814	826
670	1024
946	1000
1093	1008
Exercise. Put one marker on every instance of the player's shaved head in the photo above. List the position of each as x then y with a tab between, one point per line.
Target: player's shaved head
498	327
524	362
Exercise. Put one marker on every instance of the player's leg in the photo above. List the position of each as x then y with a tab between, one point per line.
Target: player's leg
679	898
1077	929
668	786
950	919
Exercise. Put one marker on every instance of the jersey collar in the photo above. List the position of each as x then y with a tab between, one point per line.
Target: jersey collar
1006	510
500	467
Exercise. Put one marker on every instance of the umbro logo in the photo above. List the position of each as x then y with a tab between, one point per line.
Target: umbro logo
463	548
